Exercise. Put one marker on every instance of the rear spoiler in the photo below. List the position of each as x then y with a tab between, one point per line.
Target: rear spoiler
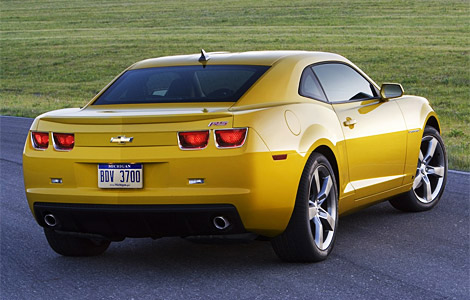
136	119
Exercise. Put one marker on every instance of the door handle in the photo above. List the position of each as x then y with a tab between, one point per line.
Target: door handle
349	122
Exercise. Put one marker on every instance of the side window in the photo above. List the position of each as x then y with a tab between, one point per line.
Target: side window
309	86
341	83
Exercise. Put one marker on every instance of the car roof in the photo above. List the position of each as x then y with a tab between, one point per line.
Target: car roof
278	86
265	58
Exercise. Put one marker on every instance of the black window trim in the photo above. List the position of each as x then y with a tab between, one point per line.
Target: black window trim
377	91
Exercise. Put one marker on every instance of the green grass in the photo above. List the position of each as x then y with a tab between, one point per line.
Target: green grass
58	54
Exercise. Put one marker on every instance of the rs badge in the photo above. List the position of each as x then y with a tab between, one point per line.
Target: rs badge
220	123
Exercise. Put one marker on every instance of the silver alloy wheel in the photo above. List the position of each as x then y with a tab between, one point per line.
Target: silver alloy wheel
430	171
322	207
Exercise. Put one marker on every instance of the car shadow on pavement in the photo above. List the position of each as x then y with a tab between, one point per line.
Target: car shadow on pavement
136	255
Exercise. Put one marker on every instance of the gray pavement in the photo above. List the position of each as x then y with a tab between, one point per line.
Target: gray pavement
380	253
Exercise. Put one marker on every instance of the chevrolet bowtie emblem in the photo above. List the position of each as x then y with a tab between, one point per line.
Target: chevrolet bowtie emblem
121	139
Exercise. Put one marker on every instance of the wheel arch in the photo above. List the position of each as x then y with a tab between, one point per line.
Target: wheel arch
433	122
330	156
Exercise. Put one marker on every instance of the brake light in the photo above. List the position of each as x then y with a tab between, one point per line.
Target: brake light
63	141
193	139
40	140
230	138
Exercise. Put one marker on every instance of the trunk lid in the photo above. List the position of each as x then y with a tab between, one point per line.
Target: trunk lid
147	125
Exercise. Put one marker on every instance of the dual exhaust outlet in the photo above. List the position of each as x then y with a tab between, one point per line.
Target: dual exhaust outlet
220	222
50	220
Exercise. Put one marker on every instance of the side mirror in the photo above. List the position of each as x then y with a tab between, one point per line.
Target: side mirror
391	90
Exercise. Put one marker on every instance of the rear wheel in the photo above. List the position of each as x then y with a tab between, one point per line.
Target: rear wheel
430	178
68	245
311	232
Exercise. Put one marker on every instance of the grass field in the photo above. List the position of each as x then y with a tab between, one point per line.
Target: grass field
57	54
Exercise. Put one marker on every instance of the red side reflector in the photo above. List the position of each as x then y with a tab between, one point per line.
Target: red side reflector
40	140
230	138
193	139
63	141
280	157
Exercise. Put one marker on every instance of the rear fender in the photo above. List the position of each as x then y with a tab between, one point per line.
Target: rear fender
317	136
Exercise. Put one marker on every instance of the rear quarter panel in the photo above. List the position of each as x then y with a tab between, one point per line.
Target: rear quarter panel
315	124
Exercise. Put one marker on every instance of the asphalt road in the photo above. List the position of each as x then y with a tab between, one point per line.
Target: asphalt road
380	253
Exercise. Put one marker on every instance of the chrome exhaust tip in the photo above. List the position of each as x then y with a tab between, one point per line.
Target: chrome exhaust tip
221	222
50	220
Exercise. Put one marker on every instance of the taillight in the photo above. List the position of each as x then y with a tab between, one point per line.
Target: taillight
230	138
63	141
193	139
40	140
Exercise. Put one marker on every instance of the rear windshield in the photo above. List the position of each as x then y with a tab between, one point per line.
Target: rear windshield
182	84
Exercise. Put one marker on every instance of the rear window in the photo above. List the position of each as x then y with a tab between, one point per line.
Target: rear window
182	84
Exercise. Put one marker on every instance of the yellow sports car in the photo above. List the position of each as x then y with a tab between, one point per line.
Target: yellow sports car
276	143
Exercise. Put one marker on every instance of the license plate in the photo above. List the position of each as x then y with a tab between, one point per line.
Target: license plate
120	176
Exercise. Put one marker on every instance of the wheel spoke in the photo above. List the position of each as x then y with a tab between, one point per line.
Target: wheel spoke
318	232
314	187
327	219
431	149
316	179
427	188
312	210
418	181
325	190
420	157
437	171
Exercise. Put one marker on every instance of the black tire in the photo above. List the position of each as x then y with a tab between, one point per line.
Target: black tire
307	238
68	245
431	172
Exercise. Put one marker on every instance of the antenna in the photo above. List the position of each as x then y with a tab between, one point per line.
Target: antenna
204	56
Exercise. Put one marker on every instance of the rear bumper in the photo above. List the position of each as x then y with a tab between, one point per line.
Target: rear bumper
262	190
119	221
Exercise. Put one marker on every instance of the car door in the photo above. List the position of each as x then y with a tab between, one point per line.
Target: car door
374	129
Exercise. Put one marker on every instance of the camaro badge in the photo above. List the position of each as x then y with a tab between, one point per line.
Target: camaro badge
121	139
